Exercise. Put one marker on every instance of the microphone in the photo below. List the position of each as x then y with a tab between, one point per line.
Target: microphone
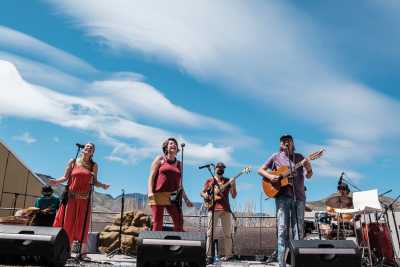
206	166
341	179
183	144
80	145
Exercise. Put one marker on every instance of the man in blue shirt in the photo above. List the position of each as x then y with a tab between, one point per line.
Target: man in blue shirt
48	205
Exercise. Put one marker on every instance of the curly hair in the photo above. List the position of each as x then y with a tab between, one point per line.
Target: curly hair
165	145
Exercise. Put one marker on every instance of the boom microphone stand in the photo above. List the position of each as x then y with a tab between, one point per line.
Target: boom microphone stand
180	195
69	181
214	183
291	174
119	249
88	205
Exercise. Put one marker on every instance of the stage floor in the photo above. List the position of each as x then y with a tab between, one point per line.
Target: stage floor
123	260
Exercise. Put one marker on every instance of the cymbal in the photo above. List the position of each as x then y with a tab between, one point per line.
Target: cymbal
339	202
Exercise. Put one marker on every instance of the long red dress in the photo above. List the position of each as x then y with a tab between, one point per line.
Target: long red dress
77	205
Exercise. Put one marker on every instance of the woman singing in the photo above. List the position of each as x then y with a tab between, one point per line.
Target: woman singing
79	174
165	177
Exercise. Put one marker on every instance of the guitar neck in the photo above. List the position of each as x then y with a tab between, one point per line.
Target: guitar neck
296	166
230	181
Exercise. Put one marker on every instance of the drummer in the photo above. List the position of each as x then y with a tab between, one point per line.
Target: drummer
342	201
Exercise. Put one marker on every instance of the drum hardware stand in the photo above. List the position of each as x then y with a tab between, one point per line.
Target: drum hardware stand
394	217
386	217
119	249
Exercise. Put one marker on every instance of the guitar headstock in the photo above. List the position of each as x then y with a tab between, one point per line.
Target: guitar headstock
316	154
246	169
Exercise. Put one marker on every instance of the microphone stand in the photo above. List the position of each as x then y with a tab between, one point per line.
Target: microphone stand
291	175
212	213
68	183
80	254
352	185
181	188
119	249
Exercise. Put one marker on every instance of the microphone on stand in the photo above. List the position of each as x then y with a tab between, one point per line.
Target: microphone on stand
80	145
206	166
340	182
183	144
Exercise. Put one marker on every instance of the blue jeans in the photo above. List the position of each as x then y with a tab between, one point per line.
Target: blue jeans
286	219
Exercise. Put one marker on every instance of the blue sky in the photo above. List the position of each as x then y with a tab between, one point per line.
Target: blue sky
227	78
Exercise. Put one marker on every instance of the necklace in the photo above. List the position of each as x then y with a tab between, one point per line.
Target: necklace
85	163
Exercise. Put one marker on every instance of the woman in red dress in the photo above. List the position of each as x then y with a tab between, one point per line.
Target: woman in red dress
165	177
79	175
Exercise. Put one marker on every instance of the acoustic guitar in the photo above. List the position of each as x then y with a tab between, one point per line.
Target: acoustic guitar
208	201
165	198
272	189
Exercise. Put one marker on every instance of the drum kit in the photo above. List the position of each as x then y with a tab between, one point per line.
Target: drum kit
372	234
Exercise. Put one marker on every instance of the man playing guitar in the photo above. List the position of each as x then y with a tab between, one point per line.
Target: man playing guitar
290	201
222	208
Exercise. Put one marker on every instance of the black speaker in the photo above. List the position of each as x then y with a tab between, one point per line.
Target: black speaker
20	243
327	253
161	248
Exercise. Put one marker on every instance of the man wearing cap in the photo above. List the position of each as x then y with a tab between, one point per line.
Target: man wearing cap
48	205
222	209
290	201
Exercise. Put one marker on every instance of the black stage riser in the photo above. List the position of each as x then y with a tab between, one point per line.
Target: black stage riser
49	245
163	247
326	253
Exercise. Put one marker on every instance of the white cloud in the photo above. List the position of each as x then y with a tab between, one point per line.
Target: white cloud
26	138
141	99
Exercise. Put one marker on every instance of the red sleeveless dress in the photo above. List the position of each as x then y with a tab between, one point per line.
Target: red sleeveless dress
169	176
77	205
168	179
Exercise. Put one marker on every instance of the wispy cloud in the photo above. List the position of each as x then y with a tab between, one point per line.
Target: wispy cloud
26	138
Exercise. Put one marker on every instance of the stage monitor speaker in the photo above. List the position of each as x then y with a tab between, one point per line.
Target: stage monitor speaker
327	253
20	244
161	248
